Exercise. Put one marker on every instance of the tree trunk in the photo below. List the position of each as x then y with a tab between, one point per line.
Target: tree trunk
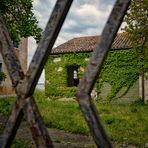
142	87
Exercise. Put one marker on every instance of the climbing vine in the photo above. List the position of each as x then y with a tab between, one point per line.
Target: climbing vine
121	69
56	74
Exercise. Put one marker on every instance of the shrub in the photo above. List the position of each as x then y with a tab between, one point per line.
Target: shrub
2	76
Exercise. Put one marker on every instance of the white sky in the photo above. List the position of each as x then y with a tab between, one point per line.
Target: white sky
86	17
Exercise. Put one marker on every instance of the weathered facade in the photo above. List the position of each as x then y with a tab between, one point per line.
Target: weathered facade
67	64
6	85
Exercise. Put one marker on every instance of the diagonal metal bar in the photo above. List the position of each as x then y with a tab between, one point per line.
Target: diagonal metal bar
35	123
53	37
12	125
39	132
93	69
16	74
53	27
37	127
9	55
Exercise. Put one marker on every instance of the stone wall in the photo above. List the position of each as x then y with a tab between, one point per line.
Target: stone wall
131	96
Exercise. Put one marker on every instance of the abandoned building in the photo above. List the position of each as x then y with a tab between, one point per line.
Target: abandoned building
68	61
6	88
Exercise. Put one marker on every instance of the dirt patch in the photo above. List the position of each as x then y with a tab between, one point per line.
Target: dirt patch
61	139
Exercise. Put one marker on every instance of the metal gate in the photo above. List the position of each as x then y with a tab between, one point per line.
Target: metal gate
24	84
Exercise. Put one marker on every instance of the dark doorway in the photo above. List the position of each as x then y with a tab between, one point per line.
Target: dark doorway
72	75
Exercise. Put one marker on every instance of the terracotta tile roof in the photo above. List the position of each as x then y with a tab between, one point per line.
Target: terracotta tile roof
88	44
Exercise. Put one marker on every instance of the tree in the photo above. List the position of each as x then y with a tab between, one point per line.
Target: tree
137	27
19	19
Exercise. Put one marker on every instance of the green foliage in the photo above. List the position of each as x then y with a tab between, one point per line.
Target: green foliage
56	81
137	28
121	69
5	105
137	22
19	19
2	76
18	143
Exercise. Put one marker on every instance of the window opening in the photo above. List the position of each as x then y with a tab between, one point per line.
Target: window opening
72	76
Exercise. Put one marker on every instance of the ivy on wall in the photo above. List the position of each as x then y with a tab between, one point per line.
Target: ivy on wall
121	69
56	74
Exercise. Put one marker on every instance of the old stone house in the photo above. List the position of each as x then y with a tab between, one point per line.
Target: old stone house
68	61
6	85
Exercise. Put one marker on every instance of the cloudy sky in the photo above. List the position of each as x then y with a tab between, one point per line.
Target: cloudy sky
86	17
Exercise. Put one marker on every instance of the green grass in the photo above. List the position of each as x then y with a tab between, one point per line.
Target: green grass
127	123
62	115
5	105
19	143
123	122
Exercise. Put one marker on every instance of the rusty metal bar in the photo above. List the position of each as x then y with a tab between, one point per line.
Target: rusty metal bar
44	48
52	38
37	127
12	125
16	73
9	55
14	117
94	68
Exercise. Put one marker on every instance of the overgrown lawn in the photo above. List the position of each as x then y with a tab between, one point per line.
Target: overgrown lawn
123	122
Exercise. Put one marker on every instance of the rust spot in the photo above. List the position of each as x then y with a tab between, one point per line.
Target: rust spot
120	5
17	105
5	35
21	74
93	64
34	131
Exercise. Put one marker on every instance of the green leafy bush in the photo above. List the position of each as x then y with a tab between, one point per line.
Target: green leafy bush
5	105
2	76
